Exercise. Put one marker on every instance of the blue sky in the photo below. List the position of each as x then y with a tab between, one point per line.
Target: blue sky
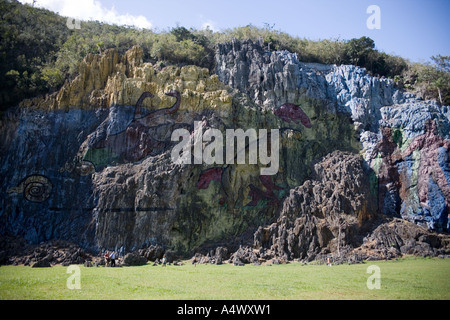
413	29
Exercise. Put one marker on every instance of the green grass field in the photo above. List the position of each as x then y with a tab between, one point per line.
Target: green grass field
409	278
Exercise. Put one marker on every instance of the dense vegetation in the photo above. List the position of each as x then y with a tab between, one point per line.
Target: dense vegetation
38	52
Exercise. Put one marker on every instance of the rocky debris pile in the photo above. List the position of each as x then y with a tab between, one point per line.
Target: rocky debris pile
16	251
390	238
399	237
218	256
323	215
132	259
331	216
246	255
152	252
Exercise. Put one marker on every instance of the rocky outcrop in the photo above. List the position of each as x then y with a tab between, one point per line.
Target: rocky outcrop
152	253
386	121
132	259
92	163
400	237
332	217
273	78
323	215
218	256
110	79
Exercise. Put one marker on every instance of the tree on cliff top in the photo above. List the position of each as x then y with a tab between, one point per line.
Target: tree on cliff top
439	77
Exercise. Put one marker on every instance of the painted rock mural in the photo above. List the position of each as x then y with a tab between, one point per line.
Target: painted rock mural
96	167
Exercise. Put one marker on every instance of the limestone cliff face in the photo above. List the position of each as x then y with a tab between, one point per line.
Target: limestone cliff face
390	125
324	214
92	162
109	79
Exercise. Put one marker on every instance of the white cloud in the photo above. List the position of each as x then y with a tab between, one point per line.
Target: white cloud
91	10
209	24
